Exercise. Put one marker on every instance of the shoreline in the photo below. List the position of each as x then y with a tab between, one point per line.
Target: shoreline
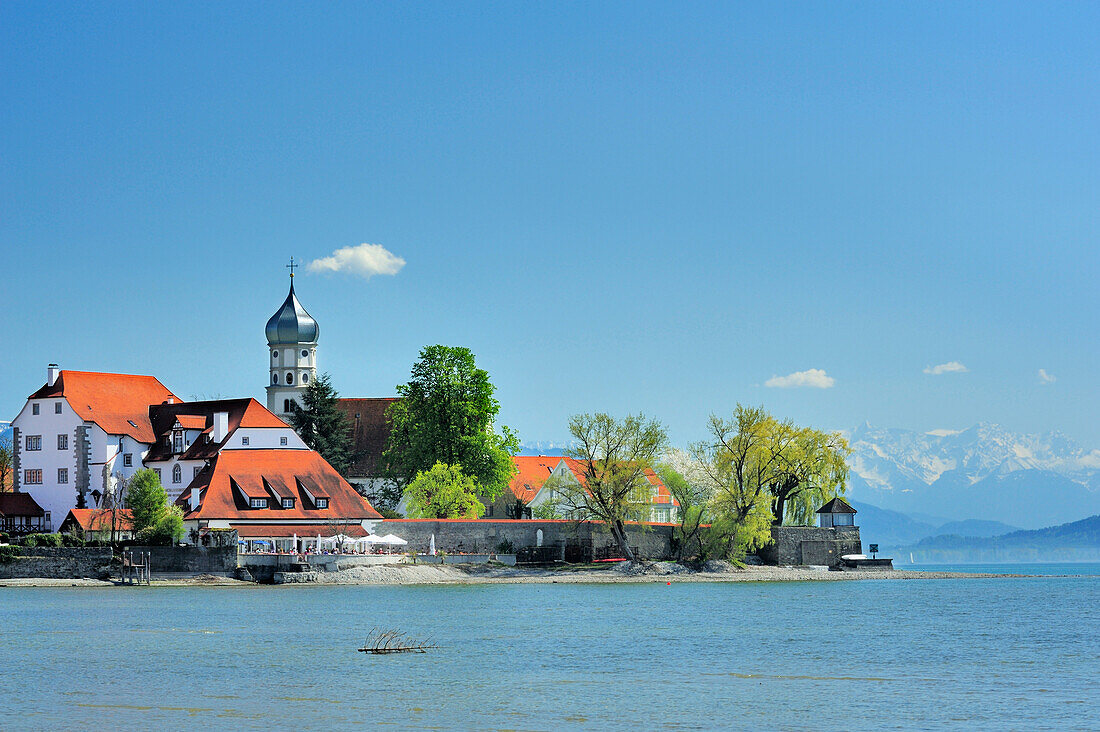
434	574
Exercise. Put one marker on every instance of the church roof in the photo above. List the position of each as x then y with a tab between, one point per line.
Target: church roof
291	324
369	431
234	474
118	403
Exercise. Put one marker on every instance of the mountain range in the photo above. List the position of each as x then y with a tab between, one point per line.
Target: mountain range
985	471
1077	541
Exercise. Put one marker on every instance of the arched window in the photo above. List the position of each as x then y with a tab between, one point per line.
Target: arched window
274	378
305	378
290	378
177	474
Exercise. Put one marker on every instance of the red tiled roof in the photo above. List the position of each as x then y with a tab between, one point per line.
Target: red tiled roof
662	495
19	504
369	432
531	473
247	413
295	469
97	519
119	403
304	531
191	421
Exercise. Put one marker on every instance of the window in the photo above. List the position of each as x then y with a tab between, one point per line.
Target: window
177	441
305	378
167	440
177	474
62	442
290	378
156	471
34	409
282	440
57	408
32	477
128	460
62	476
286	405
322	503
195	472
257	503
274	354
274	378
244	440
34	442
288	503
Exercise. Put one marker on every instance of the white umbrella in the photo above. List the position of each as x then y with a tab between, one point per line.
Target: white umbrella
431	546
397	540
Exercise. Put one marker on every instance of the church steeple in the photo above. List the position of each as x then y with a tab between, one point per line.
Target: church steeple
292	341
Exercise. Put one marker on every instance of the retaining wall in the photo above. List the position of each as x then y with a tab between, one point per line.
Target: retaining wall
802	545
481	536
20	562
190	559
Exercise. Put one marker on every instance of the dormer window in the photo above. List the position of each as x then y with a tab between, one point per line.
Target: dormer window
282	440
257	503
322	503
177	441
244	440
288	503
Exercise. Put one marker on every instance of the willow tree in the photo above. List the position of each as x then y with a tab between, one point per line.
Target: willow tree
813	469
614	456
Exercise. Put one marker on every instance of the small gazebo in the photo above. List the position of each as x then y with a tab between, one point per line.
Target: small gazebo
836	512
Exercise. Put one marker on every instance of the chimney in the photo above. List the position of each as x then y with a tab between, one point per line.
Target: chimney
221	426
170	400
51	374
196	494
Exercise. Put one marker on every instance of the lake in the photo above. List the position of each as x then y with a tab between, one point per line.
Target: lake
876	654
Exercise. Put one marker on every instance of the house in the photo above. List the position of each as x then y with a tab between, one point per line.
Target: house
529	489
836	512
20	514
284	497
92	523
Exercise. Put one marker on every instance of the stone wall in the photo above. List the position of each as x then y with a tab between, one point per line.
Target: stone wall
580	541
18	562
803	545
190	559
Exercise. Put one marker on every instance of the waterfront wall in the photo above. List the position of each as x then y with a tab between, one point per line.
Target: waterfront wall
577	541
220	560
804	545
18	562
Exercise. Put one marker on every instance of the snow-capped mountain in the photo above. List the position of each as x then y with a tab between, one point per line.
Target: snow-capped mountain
982	472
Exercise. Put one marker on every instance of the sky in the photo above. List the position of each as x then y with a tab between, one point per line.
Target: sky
845	212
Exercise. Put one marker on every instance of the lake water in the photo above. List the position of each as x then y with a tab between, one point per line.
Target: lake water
967	654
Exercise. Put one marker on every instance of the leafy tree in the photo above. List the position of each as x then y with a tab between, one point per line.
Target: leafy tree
614	455
443	491
5	463
445	415
154	520
813	469
323	426
693	497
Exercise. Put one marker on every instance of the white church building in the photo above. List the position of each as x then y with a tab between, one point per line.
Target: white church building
83	434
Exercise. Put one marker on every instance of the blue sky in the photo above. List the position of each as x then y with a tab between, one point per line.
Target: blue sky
627	208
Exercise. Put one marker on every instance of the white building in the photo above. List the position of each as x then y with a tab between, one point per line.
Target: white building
83	431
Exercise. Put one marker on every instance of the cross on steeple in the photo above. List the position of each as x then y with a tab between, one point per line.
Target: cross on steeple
292	267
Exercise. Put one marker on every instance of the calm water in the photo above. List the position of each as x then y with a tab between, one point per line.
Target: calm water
996	654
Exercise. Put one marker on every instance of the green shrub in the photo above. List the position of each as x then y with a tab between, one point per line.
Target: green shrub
42	540
72	540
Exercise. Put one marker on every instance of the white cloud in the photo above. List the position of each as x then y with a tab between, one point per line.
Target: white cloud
951	367
1045	378
942	432
365	260
815	378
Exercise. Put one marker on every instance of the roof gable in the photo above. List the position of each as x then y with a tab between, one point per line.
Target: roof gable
836	505
118	403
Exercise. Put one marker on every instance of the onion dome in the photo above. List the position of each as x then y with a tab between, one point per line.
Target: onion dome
291	325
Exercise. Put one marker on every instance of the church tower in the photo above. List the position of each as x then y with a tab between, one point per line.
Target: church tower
292	345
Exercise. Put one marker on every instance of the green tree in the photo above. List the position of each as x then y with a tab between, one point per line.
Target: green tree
446	414
5	463
323	426
614	455
154	520
692	497
444	491
813	468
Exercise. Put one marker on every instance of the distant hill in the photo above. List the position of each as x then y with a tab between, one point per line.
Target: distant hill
1074	541
975	527
889	528
984	471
